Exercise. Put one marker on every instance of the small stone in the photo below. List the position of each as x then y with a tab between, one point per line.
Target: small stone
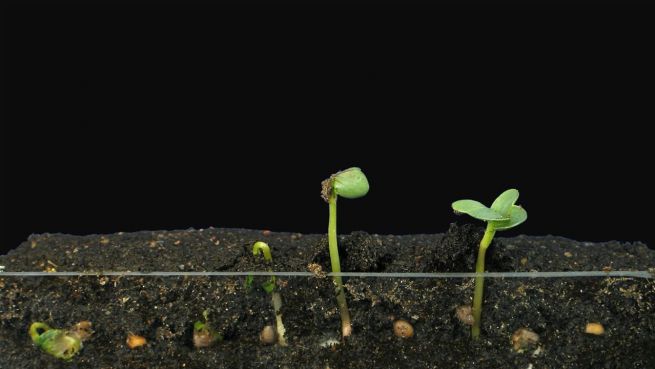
266	232
402	329
568	254
268	335
134	341
595	329
523	338
465	314
524	261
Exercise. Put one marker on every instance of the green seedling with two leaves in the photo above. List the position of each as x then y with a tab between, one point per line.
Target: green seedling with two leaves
503	214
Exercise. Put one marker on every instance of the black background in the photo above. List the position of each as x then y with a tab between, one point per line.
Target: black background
124	121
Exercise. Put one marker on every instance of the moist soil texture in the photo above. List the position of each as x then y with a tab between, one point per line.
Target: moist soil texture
163	309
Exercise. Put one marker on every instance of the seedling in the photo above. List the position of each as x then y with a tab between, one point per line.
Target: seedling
269	286
204	335
351	184
60	343
502	215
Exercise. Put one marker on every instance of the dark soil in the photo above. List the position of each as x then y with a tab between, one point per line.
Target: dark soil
163	309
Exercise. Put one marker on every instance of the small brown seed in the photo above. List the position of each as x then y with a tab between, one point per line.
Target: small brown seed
203	338
134	341
268	335
465	314
523	338
402	329
595	328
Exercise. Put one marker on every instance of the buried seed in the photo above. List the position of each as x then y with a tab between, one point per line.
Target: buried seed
595	329
523	338
268	335
133	341
402	329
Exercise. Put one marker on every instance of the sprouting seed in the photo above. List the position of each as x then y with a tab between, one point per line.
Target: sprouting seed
351	184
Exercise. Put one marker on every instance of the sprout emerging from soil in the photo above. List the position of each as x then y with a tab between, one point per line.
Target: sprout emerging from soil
60	343
204	335
502	215
269	286
351	184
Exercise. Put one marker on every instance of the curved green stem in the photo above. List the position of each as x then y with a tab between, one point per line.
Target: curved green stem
34	330
262	247
479	281
346	327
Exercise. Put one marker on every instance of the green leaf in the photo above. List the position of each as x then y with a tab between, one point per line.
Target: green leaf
351	183
477	210
487	214
248	283
268	286
517	216
466	206
503	203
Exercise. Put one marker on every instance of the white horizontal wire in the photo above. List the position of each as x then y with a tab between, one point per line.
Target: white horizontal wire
617	273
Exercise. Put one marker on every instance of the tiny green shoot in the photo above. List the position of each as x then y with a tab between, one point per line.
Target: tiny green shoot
248	283
351	184
502	215
204	335
260	247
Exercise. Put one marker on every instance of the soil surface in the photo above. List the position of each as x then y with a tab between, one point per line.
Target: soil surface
164	309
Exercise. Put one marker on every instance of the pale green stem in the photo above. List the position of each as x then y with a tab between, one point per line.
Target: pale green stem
260	246
346	327
275	296
277	307
34	330
479	281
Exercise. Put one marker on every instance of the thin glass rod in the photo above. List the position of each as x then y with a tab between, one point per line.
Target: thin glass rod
617	273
